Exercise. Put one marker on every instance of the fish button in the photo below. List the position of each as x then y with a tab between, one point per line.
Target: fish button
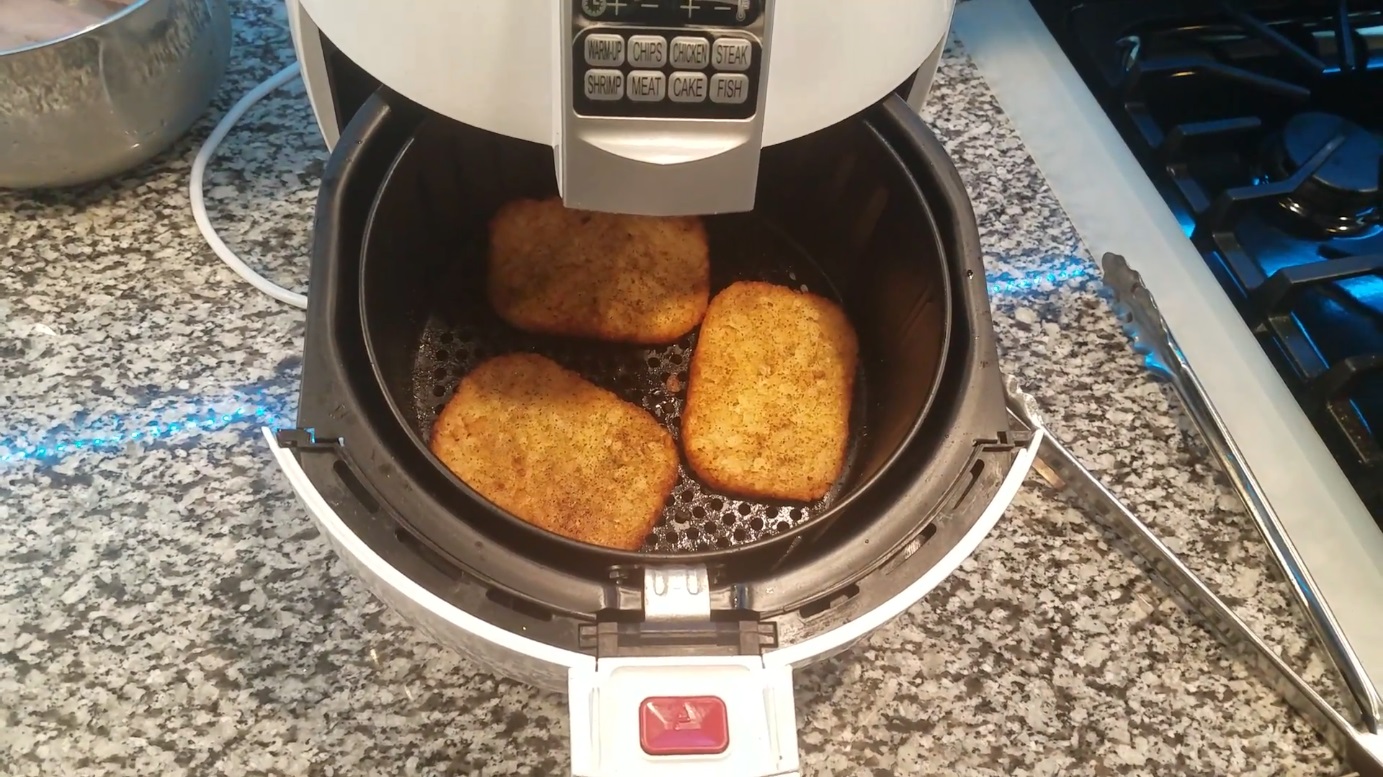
647	51
734	54
729	89
684	725
604	50
604	85
646	86
688	87
690	53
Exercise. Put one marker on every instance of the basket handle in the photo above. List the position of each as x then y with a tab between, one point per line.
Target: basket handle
729	716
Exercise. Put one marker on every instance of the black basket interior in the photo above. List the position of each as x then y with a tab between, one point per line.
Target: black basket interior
838	215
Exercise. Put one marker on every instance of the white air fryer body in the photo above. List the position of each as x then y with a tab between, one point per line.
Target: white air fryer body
517	68
782	69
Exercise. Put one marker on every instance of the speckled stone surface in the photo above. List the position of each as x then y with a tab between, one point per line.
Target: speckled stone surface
166	606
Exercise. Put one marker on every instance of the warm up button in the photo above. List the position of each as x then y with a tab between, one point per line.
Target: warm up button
729	89
604	50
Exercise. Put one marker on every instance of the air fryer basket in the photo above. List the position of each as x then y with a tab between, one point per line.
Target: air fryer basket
391	197
836	215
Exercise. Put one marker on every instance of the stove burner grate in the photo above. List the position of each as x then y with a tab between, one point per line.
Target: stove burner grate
1262	126
1336	168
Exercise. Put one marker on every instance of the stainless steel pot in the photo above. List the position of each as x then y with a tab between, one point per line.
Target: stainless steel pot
103	100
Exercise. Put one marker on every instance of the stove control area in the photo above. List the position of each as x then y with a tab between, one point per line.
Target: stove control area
660	59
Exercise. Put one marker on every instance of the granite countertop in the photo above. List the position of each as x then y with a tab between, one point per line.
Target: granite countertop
166	606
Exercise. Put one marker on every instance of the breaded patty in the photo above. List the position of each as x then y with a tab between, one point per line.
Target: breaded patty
768	400
633	279
557	451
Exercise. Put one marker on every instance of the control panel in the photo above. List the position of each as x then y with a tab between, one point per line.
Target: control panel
663	104
666	59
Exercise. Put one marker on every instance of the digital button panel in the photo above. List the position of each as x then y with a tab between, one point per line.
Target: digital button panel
639	72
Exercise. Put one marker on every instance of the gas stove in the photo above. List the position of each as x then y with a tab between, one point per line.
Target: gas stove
1231	151
1262	127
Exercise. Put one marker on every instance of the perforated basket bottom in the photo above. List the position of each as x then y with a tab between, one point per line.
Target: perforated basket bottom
696	518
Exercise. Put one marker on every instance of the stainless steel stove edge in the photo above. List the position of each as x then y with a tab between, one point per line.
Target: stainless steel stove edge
1116	209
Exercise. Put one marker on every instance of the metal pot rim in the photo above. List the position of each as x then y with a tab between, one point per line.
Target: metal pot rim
115	17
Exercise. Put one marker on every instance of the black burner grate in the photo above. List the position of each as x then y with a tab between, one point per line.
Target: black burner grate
1261	123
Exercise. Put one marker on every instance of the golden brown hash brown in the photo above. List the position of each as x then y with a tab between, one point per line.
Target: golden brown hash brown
633	279
768	398
557	451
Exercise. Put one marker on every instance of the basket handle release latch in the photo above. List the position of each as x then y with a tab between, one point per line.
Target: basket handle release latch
680	692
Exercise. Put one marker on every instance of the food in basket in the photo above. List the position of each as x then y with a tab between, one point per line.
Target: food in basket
769	394
557	451
632	279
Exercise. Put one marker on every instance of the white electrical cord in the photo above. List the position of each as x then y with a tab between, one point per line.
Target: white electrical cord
199	204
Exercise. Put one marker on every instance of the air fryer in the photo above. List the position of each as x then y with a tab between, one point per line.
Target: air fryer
869	212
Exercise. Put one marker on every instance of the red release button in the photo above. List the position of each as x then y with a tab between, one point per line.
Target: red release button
683	725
